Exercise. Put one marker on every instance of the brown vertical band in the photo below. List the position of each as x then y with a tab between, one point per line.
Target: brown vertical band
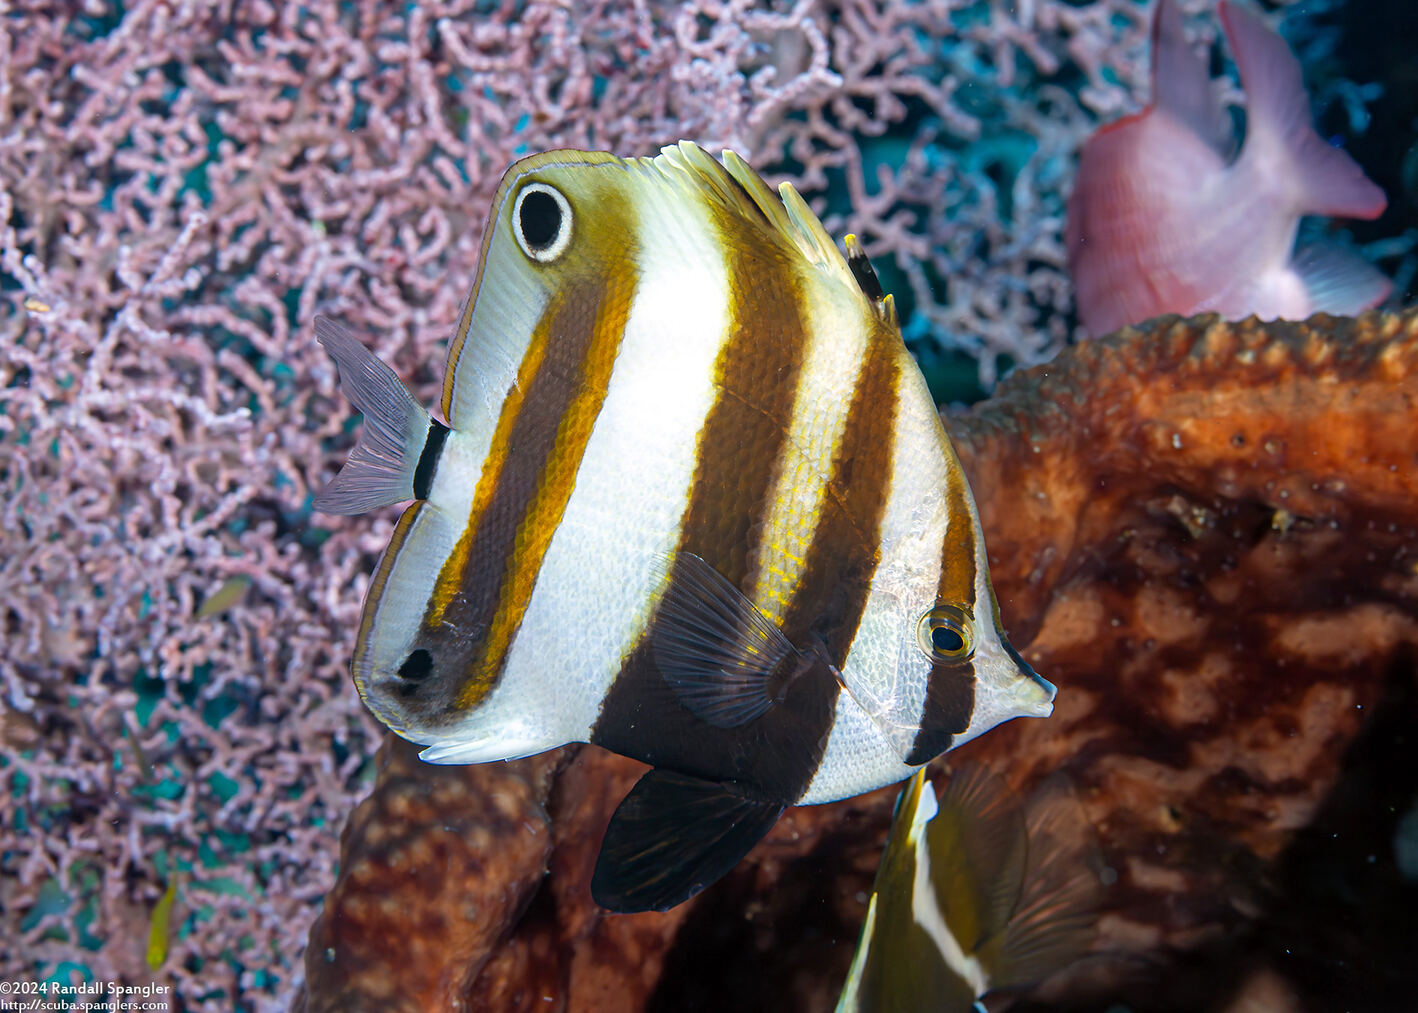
739	459
846	544
950	688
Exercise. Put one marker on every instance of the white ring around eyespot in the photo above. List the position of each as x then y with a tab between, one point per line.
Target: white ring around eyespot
563	235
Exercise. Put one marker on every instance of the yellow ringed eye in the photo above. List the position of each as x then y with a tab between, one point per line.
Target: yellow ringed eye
946	634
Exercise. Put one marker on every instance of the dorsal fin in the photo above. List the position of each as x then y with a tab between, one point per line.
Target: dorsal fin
736	185
865	275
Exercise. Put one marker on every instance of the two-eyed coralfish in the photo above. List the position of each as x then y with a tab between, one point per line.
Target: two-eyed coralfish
693	504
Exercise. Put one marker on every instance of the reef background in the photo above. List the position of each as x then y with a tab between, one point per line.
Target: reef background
183	186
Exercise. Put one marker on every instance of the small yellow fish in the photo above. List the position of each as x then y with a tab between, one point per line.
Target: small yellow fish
160	933
693	504
973	894
231	591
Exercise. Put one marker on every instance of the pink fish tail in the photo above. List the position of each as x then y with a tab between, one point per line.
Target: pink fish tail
1280	134
1181	81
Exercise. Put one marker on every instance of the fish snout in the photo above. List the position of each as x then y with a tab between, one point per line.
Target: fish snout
1032	694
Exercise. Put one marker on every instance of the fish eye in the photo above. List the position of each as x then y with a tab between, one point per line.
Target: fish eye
541	219
945	634
417	666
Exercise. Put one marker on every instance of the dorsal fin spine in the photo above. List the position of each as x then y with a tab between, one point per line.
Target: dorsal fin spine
733	182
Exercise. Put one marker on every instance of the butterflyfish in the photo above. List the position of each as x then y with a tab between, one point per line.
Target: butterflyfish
975	893
692	503
1163	219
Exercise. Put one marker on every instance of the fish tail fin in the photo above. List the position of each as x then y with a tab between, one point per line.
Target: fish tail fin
1181	80
398	449
1280	134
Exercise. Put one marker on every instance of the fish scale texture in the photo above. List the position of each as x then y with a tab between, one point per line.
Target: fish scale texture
183	186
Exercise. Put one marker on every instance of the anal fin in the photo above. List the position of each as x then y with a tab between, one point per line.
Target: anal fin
672	836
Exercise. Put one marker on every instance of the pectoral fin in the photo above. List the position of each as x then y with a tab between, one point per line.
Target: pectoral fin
726	661
672	836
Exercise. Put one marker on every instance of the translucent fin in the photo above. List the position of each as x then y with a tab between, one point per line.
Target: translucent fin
1340	282
1012	895
734	183
719	653
382	467
977	852
672	836
1280	132
1181	81
506	744
1056	918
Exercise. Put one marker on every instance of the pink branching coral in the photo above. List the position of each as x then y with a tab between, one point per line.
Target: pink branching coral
184	184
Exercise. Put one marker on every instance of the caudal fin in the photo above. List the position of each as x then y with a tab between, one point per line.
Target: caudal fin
1280	132
1181	81
398	449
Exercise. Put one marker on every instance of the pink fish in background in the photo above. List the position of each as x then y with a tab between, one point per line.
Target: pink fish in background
1164	220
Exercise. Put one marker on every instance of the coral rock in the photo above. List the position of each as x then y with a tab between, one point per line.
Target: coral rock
1206	534
435	866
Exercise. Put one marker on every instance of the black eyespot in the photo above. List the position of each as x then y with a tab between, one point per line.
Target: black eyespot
541	218
417	666
947	640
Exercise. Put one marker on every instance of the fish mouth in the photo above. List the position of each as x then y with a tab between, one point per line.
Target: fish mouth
1033	694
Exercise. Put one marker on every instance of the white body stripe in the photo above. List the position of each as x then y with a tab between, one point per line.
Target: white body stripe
884	665
925	902
606	559
509	305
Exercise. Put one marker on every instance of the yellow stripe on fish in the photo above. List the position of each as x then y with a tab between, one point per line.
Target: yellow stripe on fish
693	503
